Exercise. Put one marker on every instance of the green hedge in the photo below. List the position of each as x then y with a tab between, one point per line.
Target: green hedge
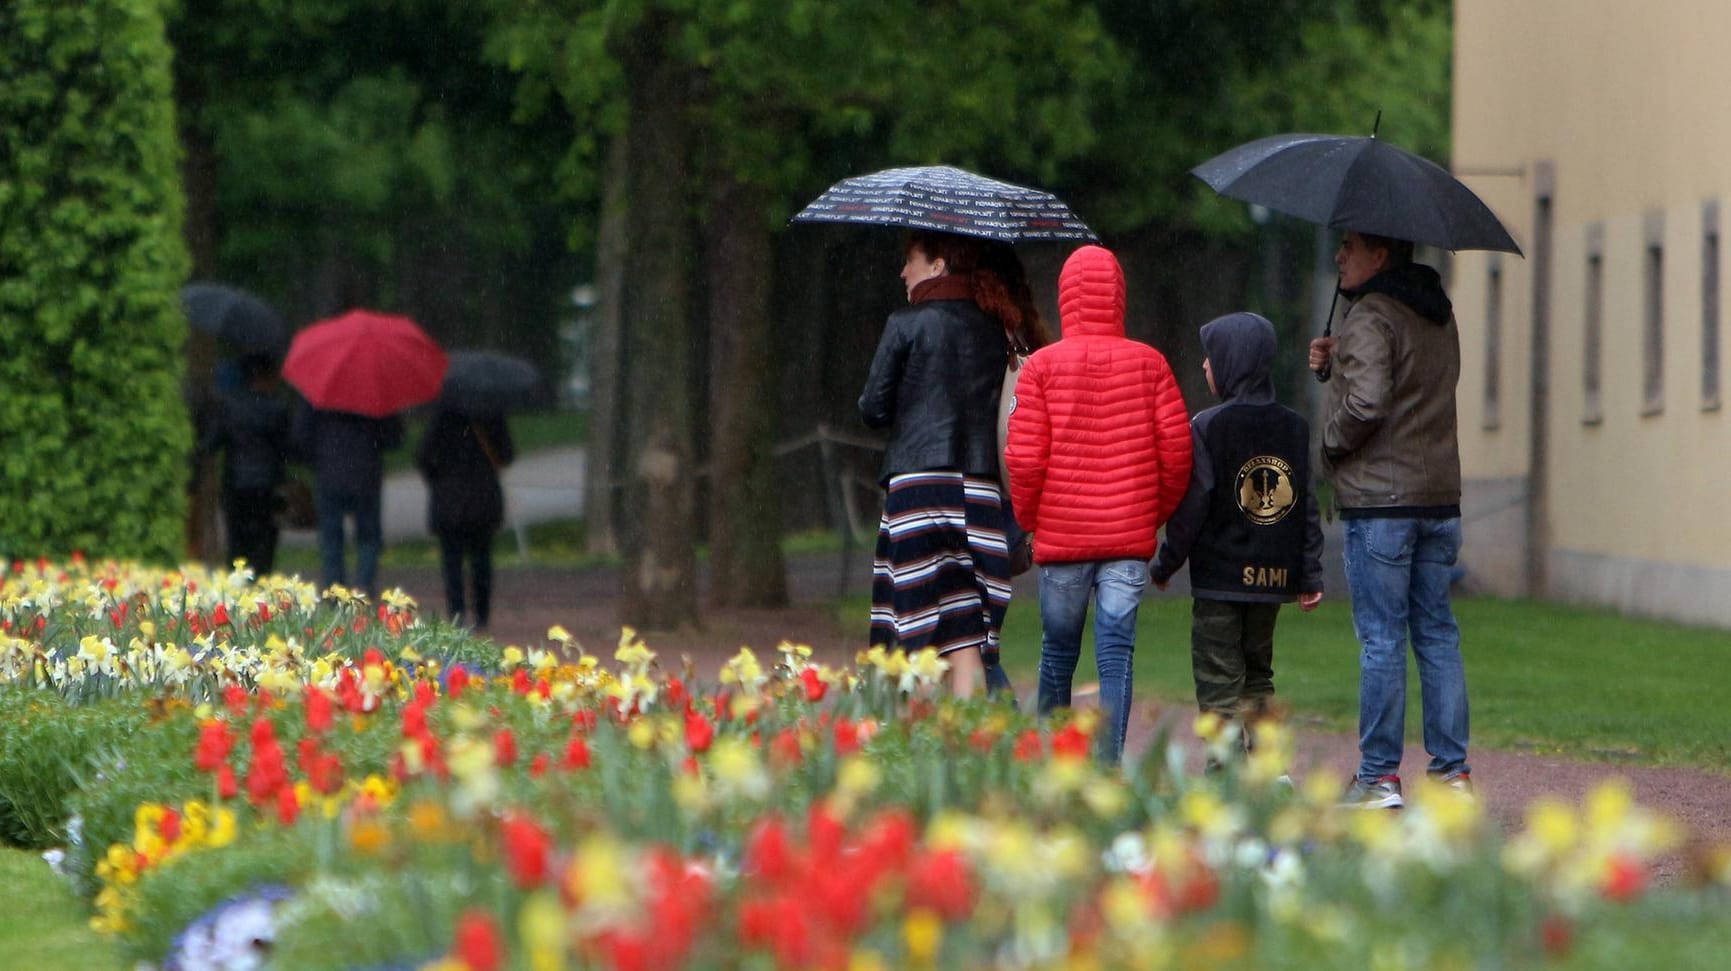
95	433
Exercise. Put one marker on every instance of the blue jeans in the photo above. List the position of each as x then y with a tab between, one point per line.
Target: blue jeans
334	507
1399	571
1065	588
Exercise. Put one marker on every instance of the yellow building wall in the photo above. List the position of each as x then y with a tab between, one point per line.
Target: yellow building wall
1625	101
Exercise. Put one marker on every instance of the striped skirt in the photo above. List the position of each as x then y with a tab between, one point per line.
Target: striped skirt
941	577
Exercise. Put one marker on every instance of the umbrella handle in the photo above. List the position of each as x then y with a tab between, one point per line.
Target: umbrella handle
1328	331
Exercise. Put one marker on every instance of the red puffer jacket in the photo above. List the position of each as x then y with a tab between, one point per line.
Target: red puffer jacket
1099	444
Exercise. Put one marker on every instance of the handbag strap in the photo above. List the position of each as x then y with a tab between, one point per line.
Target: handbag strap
486	444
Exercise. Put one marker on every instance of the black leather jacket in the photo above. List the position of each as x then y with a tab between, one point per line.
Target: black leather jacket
934	384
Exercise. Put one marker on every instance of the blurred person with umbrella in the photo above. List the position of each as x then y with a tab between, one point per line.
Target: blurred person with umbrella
240	326
466	446
1389	433
251	425
357	373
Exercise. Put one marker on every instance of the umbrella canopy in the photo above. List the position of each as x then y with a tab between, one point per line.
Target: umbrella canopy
490	383
947	199
365	362
1360	184
235	317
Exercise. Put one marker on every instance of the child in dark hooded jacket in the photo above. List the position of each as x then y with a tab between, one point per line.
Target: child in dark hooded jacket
1248	525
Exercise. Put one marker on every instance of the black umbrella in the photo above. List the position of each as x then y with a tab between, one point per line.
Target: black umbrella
490	383
947	199
1360	184
235	317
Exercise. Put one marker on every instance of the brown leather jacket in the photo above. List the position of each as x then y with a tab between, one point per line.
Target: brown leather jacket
1389	430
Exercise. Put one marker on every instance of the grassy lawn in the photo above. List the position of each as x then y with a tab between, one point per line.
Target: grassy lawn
44	928
1571	681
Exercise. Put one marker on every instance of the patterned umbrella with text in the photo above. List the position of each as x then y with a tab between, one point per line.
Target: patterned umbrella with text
950	200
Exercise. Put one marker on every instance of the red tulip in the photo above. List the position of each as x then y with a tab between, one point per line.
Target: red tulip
478	942
940	881
318	708
576	754
699	733
527	847
814	686
504	748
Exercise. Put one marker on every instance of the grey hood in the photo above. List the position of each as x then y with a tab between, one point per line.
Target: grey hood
1240	348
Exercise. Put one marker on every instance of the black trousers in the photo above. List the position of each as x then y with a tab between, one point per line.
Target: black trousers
252	529
476	547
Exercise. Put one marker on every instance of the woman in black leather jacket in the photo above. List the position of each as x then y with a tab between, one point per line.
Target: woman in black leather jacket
941	572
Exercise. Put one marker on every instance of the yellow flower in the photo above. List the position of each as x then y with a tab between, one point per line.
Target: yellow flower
737	769
744	671
632	651
1552	824
925	669
560	635
1105	796
600	877
642	734
866	961
428	822
223	828
858	776
690	793
923	933
541	925
369	836
510	657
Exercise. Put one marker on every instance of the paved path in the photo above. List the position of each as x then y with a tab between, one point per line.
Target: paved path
541	486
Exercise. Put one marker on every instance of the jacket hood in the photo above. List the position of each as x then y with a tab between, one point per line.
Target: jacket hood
1240	348
1091	294
1414	284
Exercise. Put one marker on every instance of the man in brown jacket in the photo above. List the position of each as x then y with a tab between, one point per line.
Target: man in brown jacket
1389	443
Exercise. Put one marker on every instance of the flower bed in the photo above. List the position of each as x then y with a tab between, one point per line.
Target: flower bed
398	799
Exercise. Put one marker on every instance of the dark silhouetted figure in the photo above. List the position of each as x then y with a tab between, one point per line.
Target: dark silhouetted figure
460	458
347	452
250	423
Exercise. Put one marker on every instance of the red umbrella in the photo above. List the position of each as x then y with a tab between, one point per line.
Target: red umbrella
365	362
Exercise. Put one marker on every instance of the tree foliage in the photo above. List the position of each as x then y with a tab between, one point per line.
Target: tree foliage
95	435
365	152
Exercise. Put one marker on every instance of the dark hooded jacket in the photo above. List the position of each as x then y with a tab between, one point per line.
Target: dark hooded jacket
1389	437
1248	523
253	428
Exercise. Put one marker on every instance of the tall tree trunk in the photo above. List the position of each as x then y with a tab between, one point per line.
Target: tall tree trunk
198	176
606	366
746	567
659	525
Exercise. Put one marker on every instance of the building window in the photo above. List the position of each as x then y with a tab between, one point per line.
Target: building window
1710	305
1653	317
1493	343
1593	326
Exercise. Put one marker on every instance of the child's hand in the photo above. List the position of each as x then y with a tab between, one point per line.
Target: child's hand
1308	601
1160	584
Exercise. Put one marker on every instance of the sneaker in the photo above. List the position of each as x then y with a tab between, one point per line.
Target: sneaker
1383	793
1460	780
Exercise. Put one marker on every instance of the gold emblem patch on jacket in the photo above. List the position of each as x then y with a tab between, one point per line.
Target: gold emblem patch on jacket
1265	489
